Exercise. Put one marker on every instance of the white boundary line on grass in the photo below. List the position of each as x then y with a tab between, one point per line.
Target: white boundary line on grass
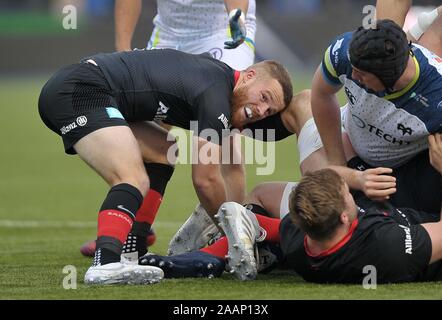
69	224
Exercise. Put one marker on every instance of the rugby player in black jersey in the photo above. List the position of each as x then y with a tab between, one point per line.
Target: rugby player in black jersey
100	108
324	233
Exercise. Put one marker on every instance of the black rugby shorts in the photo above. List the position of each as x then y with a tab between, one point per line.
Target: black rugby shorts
76	101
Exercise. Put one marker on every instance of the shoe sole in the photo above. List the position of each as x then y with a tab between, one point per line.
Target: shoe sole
134	276
242	264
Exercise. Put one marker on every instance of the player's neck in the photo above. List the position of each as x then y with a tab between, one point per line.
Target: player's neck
240	79
316	247
407	76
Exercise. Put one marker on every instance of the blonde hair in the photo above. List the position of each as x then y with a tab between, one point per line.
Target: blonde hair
317	203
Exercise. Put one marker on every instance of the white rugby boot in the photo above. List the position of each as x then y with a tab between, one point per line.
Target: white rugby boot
242	230
194	234
123	273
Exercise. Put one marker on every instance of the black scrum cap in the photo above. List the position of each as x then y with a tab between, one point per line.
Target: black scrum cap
383	51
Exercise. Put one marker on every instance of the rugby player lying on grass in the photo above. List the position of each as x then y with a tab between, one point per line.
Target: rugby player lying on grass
325	234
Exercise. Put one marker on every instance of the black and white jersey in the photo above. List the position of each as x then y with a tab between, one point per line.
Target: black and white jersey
388	129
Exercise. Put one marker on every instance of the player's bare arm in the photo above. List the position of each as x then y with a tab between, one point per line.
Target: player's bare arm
427	31
233	172
127	13
327	115
395	10
237	4
206	177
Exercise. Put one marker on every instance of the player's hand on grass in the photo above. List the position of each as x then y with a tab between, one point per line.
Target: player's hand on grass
237	29
435	146
377	184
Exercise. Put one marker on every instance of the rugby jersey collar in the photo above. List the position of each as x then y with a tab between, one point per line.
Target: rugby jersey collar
399	93
335	247
236	74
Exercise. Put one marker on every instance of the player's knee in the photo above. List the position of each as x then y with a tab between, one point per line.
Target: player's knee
205	185
257	193
138	178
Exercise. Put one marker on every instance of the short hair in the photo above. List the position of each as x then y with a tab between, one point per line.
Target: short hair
316	204
277	71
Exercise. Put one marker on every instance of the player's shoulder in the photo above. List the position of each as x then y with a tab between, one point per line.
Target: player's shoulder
338	48
291	237
429	63
429	79
336	61
427	58
341	42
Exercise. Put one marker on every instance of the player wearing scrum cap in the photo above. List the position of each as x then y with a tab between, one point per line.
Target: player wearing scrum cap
394	101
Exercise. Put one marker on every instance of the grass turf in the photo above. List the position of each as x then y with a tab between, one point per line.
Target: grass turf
49	203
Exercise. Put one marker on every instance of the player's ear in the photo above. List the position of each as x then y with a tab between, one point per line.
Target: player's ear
345	219
250	74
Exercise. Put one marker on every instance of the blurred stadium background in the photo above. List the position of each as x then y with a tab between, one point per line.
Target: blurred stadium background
49	201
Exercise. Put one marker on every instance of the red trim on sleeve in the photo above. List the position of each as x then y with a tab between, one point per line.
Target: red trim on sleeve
334	248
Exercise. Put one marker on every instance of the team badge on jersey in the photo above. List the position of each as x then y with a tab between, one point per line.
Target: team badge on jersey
161	112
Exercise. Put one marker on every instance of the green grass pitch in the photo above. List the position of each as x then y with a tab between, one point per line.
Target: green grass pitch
48	205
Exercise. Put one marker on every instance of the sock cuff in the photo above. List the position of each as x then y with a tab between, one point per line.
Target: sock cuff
125	187
110	243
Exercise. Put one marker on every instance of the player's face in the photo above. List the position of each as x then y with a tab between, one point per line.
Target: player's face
368	80
256	100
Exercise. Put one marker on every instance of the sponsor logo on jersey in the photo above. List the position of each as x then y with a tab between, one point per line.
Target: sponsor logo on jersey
216	53
377	131
420	98
161	112
403	216
337	45
81	121
350	96
404	129
335	49
408	240
224	120
69	127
